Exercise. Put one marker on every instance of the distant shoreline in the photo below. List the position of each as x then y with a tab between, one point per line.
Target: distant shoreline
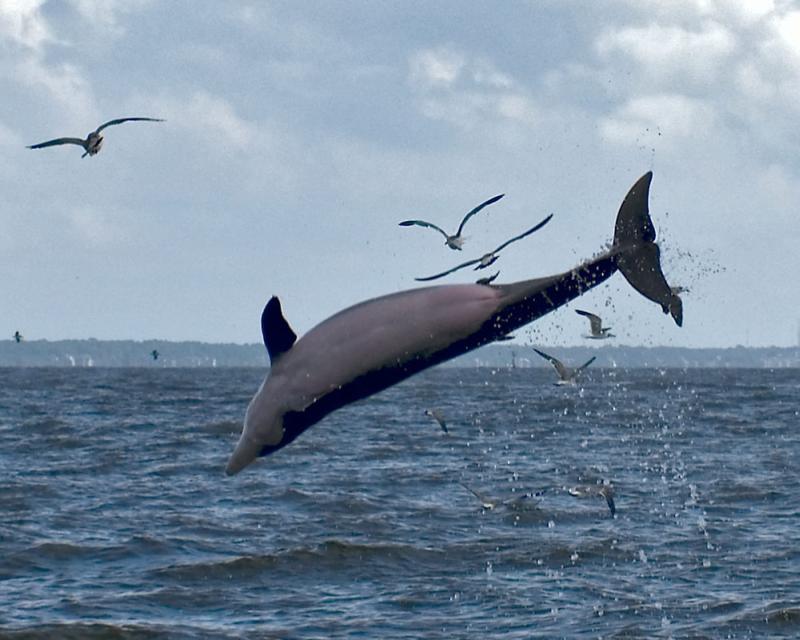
133	353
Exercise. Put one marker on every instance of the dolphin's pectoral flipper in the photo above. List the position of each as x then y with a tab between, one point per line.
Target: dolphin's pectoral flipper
638	256
278	335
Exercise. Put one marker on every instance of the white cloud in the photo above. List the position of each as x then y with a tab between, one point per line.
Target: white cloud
787	29
27	34
436	67
674	115
22	22
63	83
104	16
470	93
8	138
745	12
781	187
94	228
211	118
670	50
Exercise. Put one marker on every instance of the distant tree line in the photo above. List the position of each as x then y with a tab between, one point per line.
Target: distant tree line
132	353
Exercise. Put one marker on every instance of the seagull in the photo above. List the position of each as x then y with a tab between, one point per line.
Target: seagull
488	504
599	332
455	241
94	141
487	259
566	374
488	279
437	415
604	490
155	354
675	301
18	336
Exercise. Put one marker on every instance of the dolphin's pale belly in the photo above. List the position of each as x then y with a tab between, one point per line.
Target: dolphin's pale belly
380	333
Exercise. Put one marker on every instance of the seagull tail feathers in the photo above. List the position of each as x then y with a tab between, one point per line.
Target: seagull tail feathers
638	255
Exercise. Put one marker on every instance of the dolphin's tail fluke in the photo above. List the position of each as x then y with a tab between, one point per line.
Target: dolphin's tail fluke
638	255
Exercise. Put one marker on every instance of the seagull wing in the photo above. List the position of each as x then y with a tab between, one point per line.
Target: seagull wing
476	210
562	370
586	364
437	415
444	273
121	120
485	502
526	233
610	502
422	223
488	280
595	322
53	143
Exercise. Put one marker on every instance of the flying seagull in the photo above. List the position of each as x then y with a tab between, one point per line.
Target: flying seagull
488	504
488	259
599	332
437	415
455	241
566	374
18	337
604	490
487	279
94	141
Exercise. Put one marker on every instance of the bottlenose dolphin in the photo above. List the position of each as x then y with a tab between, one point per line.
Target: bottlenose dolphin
377	343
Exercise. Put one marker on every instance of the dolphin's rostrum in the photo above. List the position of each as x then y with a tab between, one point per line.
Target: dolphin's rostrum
377	343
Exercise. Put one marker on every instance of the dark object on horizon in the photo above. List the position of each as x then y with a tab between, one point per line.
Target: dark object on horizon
487	279
154	353
377	343
94	141
603	490
599	332
18	337
437	415
566	374
488	259
455	241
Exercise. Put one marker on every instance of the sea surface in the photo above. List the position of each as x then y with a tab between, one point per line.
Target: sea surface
117	521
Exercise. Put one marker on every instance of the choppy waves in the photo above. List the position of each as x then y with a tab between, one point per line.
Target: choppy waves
118	522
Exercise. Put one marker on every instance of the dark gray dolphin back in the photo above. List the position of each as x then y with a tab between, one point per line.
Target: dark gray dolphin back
638	256
278	335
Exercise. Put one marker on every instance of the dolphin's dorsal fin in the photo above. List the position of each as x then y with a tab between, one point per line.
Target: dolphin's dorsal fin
278	335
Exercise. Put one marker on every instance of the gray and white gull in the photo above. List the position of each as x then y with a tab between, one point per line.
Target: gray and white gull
487	259
94	141
454	241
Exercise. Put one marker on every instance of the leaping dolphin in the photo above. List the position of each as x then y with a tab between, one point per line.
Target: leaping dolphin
377	343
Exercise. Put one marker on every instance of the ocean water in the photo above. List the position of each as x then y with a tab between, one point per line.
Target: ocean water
116	520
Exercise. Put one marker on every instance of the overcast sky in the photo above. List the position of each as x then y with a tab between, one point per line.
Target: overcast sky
299	134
